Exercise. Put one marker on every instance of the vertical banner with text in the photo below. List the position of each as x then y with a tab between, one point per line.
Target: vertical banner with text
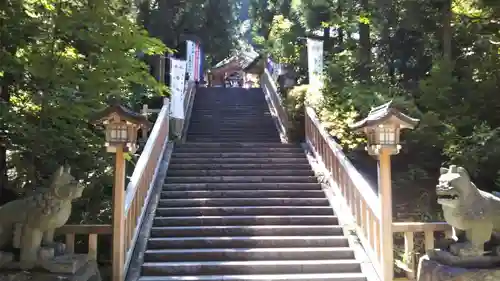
194	57
190	59
177	81
315	61
200	64
196	63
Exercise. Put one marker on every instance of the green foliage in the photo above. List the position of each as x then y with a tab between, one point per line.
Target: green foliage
63	61
213	22
295	102
395	50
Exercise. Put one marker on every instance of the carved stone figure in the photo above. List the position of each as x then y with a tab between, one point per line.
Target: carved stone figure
469	209
27	222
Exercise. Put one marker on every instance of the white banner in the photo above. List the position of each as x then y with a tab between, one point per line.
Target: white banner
190	59
315	61
177	81
197	61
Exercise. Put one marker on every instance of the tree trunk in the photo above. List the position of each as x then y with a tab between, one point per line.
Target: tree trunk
389	16
340	30
6	195
365	46
447	31
327	42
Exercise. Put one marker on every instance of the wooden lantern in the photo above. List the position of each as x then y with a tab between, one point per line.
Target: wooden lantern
121	125
382	127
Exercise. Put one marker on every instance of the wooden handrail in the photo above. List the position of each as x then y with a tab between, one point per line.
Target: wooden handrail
409	229
420	226
188	106
349	185
366	191
141	183
275	103
93	231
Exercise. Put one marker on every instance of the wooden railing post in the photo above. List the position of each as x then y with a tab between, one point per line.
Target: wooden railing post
118	262
385	197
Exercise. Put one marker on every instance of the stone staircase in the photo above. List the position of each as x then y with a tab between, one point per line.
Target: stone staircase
239	205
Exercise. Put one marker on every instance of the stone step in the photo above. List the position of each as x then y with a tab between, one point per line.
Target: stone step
239	155
228	130
241	186
228	148
229	202
246	242
236	145
261	130
245	220
241	103
247	179
231	124
269	166
234	139
246	230
252	193
234	172
242	135
249	105
254	134
248	125
220	120
179	160
261	277
251	267
244	211
229	118
248	254
232	112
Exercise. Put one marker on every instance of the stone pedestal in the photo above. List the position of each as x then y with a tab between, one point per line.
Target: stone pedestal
67	267
433	270
176	127
87	272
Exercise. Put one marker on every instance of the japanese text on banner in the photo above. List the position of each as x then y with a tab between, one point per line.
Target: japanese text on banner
177	81
315	61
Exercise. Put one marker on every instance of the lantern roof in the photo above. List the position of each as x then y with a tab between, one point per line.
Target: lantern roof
123	112
385	114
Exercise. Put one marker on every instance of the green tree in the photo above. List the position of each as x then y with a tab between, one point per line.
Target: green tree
62	61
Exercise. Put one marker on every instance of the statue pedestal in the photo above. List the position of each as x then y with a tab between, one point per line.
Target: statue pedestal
443	266
88	272
68	267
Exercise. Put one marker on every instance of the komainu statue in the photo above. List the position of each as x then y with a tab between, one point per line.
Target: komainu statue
469	209
475	217
29	223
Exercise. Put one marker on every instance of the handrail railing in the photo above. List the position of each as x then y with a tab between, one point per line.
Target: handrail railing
275	103
188	106
349	185
141	183
91	230
354	191
409	229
